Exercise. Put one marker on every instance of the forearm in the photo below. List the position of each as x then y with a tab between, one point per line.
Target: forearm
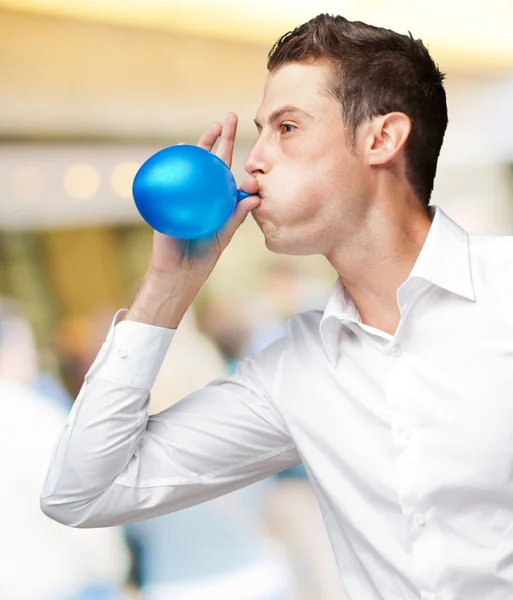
113	464
162	300
106	424
92	453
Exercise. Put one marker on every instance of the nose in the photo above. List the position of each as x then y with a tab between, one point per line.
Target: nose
257	161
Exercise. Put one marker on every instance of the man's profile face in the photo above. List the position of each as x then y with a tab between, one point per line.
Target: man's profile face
306	171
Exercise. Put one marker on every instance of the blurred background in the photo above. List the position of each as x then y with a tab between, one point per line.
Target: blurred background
88	91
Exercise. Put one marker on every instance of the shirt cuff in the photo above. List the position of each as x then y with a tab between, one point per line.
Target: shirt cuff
132	353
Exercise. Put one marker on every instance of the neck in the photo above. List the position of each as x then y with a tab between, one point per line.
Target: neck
373	262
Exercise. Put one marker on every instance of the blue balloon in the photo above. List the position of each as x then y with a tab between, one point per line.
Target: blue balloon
185	192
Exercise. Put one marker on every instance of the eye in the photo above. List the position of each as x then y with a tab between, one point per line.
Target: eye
287	128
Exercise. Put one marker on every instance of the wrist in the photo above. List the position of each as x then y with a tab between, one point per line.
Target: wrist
160	301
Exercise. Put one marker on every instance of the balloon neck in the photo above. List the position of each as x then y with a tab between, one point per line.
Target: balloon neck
241	195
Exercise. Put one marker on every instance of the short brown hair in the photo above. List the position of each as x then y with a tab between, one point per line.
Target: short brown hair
377	71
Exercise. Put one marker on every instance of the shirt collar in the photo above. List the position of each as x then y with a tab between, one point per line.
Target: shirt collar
444	261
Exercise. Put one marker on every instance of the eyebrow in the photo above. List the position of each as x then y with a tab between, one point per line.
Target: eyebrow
280	112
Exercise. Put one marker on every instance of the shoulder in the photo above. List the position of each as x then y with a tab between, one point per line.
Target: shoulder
297	345
492	251
305	325
301	331
491	258
303	339
493	246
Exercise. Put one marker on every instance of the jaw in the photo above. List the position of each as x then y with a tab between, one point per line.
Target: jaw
282	242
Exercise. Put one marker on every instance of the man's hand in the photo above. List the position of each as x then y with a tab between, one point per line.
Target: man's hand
178	268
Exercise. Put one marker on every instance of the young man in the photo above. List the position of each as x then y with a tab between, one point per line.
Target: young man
397	397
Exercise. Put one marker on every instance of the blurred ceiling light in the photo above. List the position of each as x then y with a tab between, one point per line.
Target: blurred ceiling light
122	178
26	183
82	181
476	31
240	18
225	17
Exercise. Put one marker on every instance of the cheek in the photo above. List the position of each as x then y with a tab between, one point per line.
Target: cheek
304	189
292	196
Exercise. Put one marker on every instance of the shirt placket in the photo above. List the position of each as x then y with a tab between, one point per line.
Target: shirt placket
406	431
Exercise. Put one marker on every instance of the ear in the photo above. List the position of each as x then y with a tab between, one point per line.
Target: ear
387	135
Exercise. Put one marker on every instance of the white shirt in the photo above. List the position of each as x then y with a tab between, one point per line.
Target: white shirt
408	439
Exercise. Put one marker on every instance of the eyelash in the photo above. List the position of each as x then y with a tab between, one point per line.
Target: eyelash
287	125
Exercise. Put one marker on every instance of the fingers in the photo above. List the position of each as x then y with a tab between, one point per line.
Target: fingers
227	132
243	208
227	141
250	186
209	137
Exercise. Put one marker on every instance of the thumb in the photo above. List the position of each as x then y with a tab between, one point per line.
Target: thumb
243	208
250	186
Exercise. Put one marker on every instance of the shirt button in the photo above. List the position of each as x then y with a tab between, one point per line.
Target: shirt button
419	518
123	352
396	351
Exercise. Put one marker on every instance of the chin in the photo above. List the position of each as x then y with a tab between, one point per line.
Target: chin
273	246
271	237
282	240
281	244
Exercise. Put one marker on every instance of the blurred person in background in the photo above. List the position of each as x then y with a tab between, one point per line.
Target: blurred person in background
217	550
396	397
229	327
284	292
40	559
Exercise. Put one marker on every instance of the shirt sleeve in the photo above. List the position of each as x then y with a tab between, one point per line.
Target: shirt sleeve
114	464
